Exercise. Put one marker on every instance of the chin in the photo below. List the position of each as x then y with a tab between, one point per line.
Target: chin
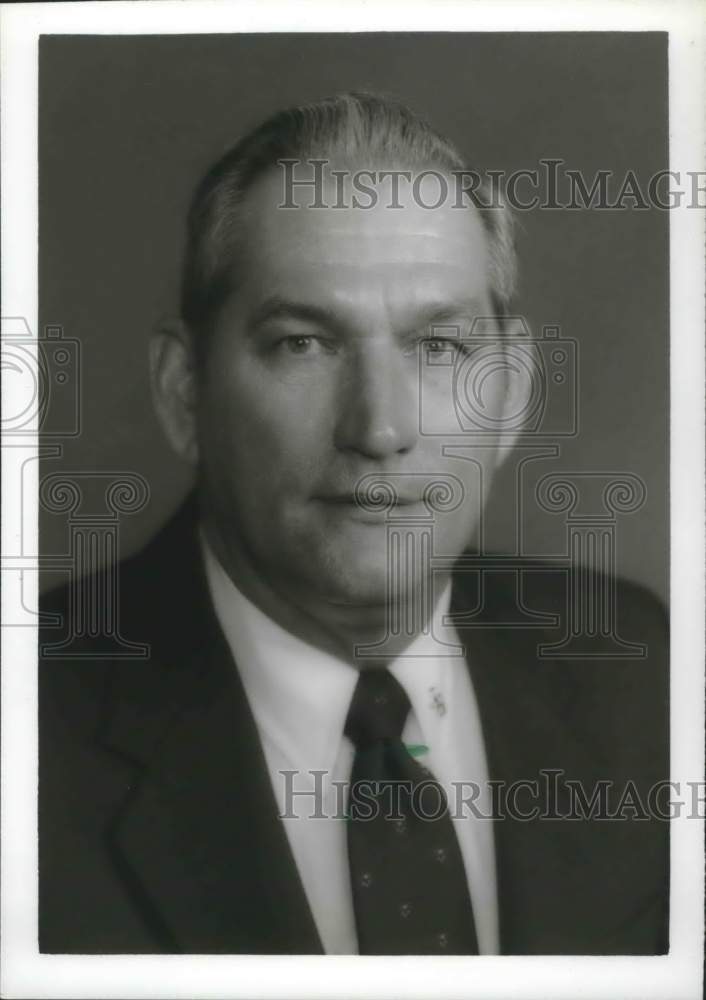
347	564
343	574
359	585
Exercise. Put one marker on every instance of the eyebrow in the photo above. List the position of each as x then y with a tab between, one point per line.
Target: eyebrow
278	308
432	312
441	312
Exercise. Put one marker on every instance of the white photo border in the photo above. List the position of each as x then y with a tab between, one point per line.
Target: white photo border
25	972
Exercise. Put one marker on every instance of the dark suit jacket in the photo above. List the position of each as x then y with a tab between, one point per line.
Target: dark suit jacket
158	829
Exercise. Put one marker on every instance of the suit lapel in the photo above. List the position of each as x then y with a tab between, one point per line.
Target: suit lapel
516	725
555	891
198	837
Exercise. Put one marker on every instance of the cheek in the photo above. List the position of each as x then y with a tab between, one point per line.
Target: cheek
479	392
269	429
467	471
462	396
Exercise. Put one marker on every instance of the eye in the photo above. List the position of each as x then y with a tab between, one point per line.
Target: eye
436	344
448	346
304	346
298	344
442	345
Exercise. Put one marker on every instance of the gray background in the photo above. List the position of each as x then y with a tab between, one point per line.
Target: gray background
128	124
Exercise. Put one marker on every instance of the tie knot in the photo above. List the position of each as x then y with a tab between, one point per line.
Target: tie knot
379	708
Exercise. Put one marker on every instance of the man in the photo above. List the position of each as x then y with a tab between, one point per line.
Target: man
310	646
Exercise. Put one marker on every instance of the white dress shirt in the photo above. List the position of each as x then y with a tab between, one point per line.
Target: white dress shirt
299	697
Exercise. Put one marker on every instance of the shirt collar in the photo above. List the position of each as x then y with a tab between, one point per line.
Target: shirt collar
427	670
299	694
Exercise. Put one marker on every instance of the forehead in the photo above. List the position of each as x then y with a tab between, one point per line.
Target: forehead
406	252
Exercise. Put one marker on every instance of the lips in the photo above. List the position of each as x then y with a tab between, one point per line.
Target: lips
350	498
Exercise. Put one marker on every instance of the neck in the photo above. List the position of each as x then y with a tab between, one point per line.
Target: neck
339	629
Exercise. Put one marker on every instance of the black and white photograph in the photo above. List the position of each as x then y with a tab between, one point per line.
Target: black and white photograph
353	443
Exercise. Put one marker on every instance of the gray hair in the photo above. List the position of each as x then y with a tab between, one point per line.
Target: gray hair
347	127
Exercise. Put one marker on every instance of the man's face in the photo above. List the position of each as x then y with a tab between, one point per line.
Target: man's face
323	369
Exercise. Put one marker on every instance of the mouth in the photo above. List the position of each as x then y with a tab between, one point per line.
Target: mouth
369	510
365	503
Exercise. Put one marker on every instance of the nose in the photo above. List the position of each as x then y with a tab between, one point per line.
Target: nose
378	412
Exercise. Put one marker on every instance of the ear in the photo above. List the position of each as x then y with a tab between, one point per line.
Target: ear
174	386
